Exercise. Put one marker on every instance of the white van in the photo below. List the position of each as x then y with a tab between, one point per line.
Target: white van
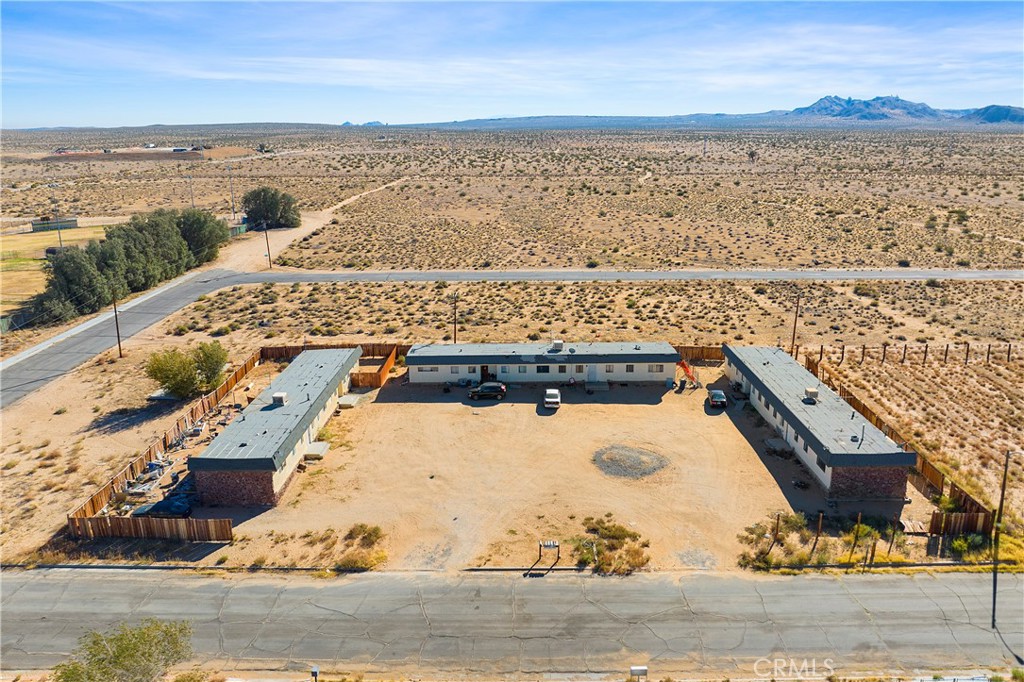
552	398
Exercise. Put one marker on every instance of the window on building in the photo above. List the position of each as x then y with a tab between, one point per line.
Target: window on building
821	465
629	369
764	400
655	369
426	369
543	369
471	370
579	369
522	369
455	370
563	369
504	369
775	413
609	368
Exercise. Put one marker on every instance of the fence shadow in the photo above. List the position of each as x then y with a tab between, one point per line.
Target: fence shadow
62	548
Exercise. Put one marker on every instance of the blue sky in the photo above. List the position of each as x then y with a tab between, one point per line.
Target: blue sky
136	63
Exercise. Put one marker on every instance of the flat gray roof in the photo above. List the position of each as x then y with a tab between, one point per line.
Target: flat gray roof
540	353
261	437
827	425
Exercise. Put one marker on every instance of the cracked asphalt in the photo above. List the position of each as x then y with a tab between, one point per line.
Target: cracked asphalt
506	625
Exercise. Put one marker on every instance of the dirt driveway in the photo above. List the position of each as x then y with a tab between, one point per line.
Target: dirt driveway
455	483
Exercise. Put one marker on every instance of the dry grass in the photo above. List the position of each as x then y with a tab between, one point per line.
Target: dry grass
683	312
22	257
961	417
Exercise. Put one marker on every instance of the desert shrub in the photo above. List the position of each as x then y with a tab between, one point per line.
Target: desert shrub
128	654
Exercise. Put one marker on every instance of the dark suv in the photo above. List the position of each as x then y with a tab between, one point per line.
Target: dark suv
489	389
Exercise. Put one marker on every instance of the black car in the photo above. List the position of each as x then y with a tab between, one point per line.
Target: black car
716	398
489	389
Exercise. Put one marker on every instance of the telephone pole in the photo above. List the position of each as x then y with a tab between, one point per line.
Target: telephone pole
995	537
266	235
117	330
796	316
455	317
231	186
191	191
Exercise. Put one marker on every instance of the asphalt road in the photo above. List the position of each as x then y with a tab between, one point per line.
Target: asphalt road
503	625
23	373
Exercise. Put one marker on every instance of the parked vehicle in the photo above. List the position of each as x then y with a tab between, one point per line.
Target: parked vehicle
552	398
488	389
717	398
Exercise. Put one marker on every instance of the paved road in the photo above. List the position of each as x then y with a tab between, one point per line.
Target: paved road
23	373
504	625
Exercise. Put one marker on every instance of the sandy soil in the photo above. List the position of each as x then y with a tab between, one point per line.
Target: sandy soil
455	484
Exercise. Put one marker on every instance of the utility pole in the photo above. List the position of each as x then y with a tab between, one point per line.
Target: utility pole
995	537
117	330
56	221
191	193
266	235
231	186
796	316
455	317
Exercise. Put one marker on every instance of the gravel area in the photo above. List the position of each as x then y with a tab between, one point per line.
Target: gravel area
628	462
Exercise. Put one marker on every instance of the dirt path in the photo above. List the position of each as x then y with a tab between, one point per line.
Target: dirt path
248	253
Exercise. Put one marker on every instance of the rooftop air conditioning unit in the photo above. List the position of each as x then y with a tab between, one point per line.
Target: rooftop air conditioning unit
810	395
280	398
556	345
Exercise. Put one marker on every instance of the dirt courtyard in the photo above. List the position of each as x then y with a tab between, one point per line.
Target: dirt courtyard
454	483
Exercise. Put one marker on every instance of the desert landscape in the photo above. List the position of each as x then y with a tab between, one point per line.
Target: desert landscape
520	200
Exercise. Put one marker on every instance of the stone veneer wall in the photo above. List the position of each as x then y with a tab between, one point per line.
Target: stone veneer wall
236	488
868	483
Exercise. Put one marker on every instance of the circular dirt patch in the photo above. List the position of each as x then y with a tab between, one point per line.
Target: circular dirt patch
628	462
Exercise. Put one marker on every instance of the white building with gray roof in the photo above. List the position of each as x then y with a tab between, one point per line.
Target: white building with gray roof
846	454
252	460
555	362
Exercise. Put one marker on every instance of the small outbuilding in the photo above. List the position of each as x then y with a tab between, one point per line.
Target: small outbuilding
552	362
847	455
254	458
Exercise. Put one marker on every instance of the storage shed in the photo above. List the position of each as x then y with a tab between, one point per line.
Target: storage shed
252	460
552	362
847	455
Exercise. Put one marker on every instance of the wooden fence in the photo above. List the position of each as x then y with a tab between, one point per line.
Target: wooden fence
700	352
83	522
925	476
374	350
185	530
961	353
375	379
960	523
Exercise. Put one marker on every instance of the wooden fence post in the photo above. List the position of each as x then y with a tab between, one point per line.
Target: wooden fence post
945	356
856	537
925	354
821	353
1008	347
818	534
842	353
863	352
892	538
885	347
904	360
967	353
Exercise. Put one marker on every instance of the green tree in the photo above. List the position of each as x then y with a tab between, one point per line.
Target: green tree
75	281
270	207
203	232
128	654
209	359
174	371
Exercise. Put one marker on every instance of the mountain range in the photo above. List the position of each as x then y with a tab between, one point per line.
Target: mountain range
828	111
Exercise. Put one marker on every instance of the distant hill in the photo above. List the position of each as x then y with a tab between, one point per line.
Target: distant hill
996	113
877	109
827	112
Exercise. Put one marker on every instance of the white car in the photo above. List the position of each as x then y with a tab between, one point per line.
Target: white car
552	398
